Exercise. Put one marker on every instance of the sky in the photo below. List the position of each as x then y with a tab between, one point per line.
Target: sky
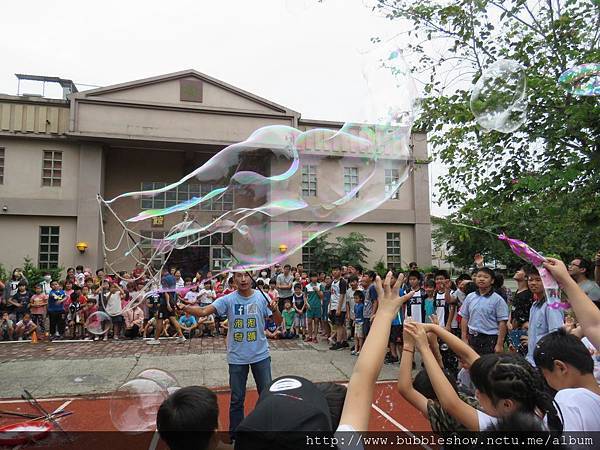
305	55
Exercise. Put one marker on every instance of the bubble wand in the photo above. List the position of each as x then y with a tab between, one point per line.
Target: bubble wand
525	252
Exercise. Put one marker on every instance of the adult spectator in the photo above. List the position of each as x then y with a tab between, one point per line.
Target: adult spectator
247	347
189	418
522	299
285	283
338	308
580	270
484	315
371	299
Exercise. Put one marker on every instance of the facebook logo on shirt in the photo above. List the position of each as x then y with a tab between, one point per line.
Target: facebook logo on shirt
239	310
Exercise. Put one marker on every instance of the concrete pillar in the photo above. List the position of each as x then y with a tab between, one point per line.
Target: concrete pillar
420	179
91	182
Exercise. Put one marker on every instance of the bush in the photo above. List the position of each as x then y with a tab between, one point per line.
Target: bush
35	275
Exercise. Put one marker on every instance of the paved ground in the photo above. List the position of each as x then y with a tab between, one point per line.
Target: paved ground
87	367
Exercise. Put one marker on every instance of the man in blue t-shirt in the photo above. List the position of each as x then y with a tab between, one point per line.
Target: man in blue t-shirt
247	348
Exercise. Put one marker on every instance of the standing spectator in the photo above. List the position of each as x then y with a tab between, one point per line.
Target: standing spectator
371	300
38	307
352	287
7	328
247	346
484	315
300	305
79	276
11	286
284	286
522	299
359	307
542	319
415	308
134	320
166	311
337	308
500	289
289	319
19	301
580	270
443	298
273	293
114	308
263	276
325	286
47	279
315	300
56	310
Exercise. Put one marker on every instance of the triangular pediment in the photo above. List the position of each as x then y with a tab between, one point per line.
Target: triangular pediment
188	88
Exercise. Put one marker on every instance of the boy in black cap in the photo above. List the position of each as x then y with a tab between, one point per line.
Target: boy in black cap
290	411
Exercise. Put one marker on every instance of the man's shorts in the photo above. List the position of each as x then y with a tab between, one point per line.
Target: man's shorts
314	312
396	334
337	320
358	330
165	314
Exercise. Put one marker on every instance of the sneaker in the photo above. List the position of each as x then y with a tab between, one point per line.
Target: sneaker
97	338
345	344
105	338
153	342
336	346
353	352
180	340
20	339
116	338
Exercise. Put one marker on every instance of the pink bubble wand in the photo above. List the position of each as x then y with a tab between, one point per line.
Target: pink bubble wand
525	252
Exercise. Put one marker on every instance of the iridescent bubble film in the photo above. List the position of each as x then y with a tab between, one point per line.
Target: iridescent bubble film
582	80
256	202
498	99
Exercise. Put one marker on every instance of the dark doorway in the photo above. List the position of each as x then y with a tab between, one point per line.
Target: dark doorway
190	260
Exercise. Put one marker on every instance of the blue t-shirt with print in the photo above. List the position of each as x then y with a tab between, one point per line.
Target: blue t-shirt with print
188	321
246	340
53	297
270	325
359	309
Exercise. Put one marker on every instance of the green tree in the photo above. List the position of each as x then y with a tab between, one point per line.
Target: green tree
35	275
322	253
540	183
352	249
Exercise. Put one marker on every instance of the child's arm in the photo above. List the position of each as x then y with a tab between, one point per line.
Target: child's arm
405	387
357	406
464	351
586	311
447	396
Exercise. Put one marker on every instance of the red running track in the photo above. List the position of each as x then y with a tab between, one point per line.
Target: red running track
91	424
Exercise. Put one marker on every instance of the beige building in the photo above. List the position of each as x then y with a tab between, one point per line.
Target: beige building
57	155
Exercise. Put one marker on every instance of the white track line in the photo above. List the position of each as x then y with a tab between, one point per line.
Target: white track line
396	423
154	441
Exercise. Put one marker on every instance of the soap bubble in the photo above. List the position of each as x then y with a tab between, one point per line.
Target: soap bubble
498	99
161	377
134	405
259	201
582	80
98	323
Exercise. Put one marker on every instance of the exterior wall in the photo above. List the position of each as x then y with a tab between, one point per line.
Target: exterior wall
20	238
378	250
168	93
32	115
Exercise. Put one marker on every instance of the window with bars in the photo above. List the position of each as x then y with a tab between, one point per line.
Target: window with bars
391	181
52	168
48	251
350	179
308	252
1	165
221	258
309	181
172	197
394	258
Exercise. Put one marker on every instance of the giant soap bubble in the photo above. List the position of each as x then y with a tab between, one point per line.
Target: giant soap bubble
262	199
134	406
498	99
